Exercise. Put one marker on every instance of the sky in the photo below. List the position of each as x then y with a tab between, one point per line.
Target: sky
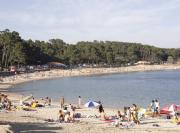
153	22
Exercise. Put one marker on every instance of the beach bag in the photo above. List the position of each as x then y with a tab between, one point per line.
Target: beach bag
77	115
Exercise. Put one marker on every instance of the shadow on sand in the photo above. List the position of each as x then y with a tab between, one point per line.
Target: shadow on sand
26	127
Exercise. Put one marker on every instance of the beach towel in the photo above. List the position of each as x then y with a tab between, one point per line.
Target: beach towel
108	121
148	113
176	120
77	115
127	124
28	109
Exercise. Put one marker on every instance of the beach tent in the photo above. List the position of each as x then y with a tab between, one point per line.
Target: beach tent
91	104
170	109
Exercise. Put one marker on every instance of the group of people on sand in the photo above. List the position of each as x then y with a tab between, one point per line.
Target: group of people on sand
132	114
36	103
67	114
5	102
155	108
62	102
129	114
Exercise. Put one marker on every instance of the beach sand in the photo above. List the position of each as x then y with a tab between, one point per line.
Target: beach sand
35	121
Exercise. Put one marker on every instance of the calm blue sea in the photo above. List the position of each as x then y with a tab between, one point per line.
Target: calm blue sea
114	90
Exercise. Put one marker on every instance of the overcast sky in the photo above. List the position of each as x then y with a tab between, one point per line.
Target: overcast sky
154	22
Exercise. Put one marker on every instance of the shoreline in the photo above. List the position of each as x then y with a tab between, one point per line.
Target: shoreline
59	73
10	81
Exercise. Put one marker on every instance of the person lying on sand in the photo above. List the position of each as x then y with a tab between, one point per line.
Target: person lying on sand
103	116
35	104
120	116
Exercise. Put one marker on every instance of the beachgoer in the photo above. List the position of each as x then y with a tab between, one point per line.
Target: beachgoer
153	108
119	115
61	116
135	114
128	114
67	117
72	114
46	101
33	101
100	108
65	110
49	101
103	115
62	102
79	101
157	107
9	104
70	107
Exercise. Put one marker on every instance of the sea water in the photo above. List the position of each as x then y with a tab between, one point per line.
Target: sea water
113	90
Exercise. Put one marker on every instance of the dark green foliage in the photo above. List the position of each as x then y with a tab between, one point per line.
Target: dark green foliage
16	51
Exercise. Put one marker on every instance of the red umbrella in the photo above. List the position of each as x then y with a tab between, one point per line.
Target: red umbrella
170	109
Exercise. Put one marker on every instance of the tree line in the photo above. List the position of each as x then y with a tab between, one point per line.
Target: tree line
16	51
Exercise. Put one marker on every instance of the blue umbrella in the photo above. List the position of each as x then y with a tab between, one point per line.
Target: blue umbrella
91	104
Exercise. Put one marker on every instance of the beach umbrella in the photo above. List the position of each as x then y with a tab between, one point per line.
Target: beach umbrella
91	104
170	109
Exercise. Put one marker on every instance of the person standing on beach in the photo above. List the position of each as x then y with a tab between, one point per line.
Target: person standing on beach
100	107
79	101
157	107
49	101
153	108
62	102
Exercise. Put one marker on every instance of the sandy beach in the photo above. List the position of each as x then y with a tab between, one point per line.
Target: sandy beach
37	121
